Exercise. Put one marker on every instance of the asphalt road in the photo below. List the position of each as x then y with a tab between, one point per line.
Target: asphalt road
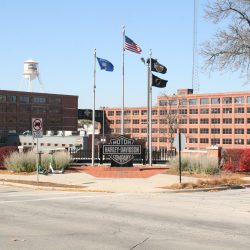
32	219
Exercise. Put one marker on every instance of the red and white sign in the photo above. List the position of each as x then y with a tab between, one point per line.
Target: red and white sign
37	127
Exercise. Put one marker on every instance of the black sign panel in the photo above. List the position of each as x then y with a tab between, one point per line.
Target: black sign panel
122	150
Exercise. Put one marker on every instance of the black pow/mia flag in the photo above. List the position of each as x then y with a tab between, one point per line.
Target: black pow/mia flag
157	67
158	82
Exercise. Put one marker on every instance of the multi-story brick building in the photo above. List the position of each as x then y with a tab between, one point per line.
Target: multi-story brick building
59	112
221	119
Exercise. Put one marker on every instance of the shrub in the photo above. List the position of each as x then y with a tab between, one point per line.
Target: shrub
197	165
5	152
245	161
21	162
26	162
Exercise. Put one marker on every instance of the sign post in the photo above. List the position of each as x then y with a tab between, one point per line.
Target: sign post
179	143
37	132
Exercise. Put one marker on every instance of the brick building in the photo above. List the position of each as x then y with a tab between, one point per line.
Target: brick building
221	119
59	112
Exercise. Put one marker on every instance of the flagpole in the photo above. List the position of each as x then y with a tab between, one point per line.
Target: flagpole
150	109
93	113
123	49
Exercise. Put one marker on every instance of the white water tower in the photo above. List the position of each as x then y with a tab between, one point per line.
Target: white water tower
30	72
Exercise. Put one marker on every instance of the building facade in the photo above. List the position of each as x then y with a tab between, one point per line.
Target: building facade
221	119
59	112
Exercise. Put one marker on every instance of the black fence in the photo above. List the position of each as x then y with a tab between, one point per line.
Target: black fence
161	156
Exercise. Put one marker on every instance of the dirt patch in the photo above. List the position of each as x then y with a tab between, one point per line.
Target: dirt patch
212	182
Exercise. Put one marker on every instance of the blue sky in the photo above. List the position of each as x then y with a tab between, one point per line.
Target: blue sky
62	34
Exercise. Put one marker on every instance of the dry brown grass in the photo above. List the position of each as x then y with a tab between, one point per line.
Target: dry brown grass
226	180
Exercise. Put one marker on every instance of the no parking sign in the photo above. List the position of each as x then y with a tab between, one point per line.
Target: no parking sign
37	127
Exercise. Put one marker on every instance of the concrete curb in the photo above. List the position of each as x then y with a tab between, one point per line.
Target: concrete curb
35	187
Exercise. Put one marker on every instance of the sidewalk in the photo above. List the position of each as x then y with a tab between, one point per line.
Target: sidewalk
118	185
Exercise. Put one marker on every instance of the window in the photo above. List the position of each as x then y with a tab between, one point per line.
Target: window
154	139
173	111
135	112
193	131
215	131
248	120
239	120
164	130
183	111
127	130
11	98
55	100
215	141
163	112
248	141
24	99
227	131
127	121
162	139
204	111
215	120
163	121
227	100
136	130
154	112
248	99
227	120
143	130
227	141
248	109
204	101
227	110
154	130
127	112
110	113
172	130
183	102
136	121
118	122
154	121
204	130
2	98
240	99
204	121
183	130
239	141
193	121
144	112
144	121
215	111
118	130
239	131
39	99
204	140
3	108
118	113
193	111
163	103
182	121
193	140
215	101
239	110
193	101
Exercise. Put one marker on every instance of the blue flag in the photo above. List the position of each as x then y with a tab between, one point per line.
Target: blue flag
105	64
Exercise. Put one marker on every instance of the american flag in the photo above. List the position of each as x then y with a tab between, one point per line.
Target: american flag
131	45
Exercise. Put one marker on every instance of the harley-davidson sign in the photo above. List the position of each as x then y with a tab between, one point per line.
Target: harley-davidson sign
121	149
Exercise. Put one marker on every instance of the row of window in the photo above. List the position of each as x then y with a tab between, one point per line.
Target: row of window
184	130
186	121
205	101
28	99
28	108
46	144
237	110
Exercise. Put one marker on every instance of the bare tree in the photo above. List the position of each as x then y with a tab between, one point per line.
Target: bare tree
230	48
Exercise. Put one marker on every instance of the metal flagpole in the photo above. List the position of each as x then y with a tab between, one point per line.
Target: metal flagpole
148	64
150	109
93	113
123	49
